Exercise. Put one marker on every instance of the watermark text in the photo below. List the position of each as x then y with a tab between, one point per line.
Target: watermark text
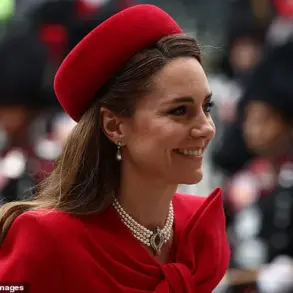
14	287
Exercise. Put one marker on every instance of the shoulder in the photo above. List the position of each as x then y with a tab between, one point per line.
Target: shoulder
37	228
46	218
37	238
189	204
31	251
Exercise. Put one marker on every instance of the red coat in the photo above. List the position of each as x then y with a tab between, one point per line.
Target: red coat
59	253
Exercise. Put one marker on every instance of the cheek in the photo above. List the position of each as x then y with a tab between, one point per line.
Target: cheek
264	134
275	131
213	127
152	138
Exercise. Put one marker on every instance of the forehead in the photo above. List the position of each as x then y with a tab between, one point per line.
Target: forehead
259	108
181	77
263	112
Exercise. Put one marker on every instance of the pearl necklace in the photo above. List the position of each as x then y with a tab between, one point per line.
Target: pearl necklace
154	239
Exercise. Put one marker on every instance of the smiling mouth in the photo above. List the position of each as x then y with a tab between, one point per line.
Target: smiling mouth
196	153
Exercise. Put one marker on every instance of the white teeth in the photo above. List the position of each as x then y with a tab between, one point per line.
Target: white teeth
190	152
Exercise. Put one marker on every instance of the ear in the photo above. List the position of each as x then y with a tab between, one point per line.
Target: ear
112	125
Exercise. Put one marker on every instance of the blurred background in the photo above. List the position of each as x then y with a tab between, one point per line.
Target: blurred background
248	56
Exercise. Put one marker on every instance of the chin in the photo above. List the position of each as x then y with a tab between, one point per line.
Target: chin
258	149
192	179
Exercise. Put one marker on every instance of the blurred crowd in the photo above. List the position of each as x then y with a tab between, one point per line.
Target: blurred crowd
250	70
253	151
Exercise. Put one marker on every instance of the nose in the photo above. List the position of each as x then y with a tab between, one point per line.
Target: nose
203	128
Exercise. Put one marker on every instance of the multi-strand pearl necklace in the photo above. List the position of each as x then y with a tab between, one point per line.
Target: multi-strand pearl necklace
154	239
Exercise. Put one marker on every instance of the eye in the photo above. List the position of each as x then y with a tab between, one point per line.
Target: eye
208	106
179	111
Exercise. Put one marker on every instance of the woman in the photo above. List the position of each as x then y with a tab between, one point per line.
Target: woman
108	218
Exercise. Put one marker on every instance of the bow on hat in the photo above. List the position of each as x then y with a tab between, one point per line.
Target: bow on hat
105	50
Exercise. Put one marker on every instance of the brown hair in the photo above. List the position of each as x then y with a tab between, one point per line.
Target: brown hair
87	173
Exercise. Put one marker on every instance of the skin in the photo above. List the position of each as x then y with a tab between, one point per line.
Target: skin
244	54
175	115
265	131
14	120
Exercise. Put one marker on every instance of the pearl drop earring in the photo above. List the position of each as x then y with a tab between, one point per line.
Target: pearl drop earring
118	153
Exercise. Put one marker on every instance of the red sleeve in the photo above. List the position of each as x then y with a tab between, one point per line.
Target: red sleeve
28	255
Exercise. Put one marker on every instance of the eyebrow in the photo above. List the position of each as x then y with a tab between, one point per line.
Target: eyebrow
188	99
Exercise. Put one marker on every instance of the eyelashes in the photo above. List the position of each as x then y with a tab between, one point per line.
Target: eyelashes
183	110
208	106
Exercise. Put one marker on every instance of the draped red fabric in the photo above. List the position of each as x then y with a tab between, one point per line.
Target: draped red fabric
56	252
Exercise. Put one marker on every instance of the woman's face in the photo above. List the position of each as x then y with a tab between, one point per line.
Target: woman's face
172	126
265	131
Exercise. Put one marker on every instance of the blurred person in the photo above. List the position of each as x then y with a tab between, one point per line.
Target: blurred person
243	53
229	152
261	194
137	89
245	42
22	63
247	29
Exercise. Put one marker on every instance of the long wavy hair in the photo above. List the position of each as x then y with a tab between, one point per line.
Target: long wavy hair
87	174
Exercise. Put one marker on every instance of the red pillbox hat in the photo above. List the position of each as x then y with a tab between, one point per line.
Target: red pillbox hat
104	52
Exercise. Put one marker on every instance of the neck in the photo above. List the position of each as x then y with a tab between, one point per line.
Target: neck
145	199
